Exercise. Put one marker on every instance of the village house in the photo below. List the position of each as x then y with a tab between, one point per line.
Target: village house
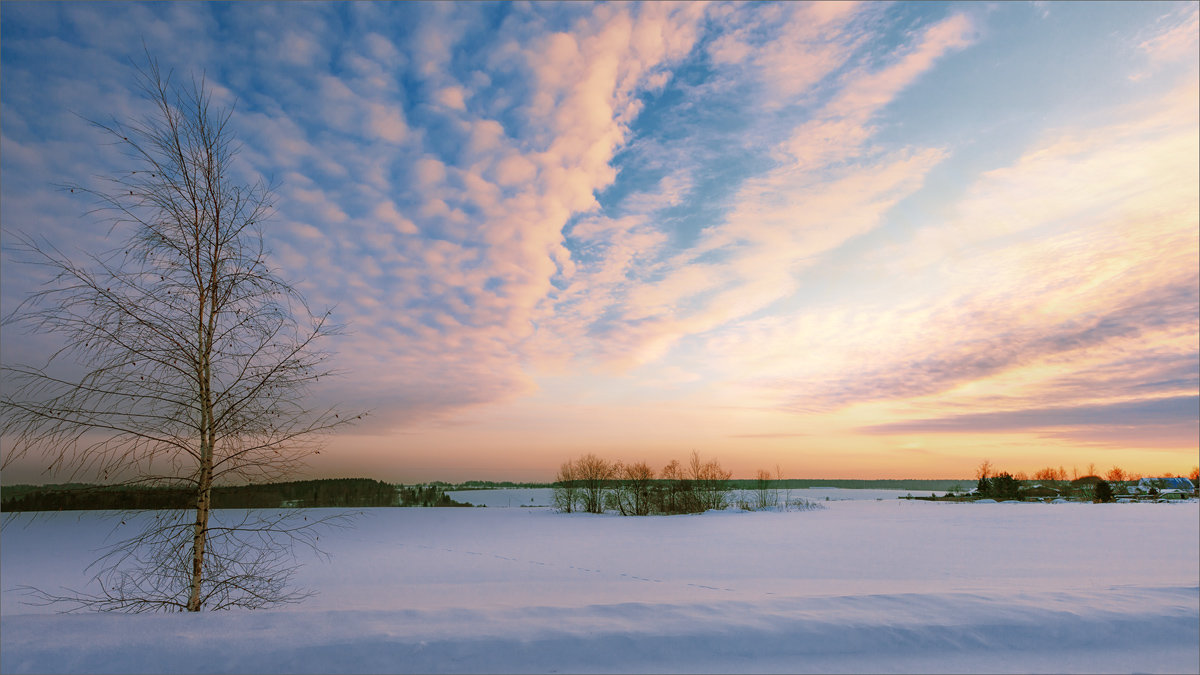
1174	487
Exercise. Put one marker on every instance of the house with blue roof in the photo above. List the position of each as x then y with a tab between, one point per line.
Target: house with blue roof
1176	487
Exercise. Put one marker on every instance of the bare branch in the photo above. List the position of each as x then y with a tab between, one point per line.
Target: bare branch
184	360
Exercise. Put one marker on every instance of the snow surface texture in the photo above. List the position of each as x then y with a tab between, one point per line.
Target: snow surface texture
860	586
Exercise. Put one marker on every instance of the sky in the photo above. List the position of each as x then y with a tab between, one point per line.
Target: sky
848	240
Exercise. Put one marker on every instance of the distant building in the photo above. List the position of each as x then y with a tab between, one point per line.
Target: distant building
1040	492
1172	493
1175	484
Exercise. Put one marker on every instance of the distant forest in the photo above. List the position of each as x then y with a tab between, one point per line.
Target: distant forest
488	485
937	485
344	492
332	492
934	484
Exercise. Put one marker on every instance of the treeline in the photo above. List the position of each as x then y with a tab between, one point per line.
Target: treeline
1051	482
490	485
330	492
923	484
1114	475
426	495
86	497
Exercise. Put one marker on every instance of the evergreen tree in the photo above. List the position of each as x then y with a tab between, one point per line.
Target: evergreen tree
983	487
1004	486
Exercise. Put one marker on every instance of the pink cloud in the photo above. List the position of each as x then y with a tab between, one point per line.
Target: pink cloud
1017	300
453	97
485	136
387	213
319	204
382	50
1178	37
387	122
301	50
806	43
843	123
514	169
430	172
829	188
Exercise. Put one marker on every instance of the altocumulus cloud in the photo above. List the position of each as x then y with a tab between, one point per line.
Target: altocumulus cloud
794	208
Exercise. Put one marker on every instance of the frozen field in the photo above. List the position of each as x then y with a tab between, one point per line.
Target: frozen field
861	586
509	498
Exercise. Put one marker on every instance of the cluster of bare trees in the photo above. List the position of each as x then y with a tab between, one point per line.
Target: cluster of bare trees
1114	475
767	493
1051	474
594	485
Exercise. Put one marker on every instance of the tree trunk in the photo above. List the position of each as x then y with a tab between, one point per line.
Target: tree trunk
200	535
204	479
203	500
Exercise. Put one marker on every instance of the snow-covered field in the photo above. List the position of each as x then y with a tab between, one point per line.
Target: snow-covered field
860	586
508	498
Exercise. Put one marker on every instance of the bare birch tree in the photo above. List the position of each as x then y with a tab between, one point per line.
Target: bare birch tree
566	491
677	492
763	498
593	475
190	359
787	492
634	486
710	481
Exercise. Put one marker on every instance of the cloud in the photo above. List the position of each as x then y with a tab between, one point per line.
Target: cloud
674	195
1171	413
514	170
768	436
807	205
387	122
790	47
1177	36
844	123
381	50
990	349
430	173
452	97
301	50
387	213
452	313
1053	280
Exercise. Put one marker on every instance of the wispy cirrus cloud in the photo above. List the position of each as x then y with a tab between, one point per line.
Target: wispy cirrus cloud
1171	419
827	186
1174	37
1055	281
